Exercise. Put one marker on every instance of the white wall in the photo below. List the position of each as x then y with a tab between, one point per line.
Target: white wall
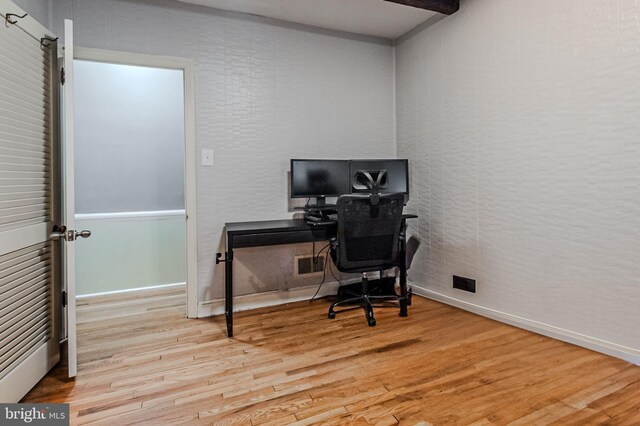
267	91
519	117
129	252
38	9
522	120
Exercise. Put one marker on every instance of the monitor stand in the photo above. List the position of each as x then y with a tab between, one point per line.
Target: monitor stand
320	205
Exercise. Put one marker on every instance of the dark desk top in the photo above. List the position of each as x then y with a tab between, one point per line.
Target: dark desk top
281	225
267	226
275	232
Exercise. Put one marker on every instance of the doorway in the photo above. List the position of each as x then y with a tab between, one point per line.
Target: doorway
135	183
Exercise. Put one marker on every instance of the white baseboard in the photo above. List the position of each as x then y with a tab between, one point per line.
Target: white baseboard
271	298
130	290
615	350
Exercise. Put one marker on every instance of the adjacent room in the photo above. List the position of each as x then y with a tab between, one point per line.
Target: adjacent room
297	212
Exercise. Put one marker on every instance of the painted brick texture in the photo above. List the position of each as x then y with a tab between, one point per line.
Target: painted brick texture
522	120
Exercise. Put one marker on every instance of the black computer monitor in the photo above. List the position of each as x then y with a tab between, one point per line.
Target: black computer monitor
392	176
319	179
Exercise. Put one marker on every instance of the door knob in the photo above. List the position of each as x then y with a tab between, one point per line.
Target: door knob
61	233
85	233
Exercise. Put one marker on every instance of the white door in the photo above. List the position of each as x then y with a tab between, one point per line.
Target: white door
68	233
29	262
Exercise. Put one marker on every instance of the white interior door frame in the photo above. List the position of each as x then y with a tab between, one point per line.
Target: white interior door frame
190	158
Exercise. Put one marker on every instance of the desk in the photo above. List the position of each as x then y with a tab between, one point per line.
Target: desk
291	231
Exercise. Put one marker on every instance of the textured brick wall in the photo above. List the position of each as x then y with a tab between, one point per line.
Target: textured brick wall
522	120
267	91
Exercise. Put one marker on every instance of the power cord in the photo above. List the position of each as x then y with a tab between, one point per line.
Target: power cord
316	258
334	276
324	272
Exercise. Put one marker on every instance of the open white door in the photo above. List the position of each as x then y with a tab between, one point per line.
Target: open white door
68	231
68	197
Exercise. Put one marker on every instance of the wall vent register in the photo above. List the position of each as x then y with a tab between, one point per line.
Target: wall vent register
308	265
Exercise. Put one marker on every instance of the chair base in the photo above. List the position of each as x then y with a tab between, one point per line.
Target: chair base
366	302
384	286
380	287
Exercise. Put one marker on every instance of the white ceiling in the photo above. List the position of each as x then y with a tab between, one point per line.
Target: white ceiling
370	17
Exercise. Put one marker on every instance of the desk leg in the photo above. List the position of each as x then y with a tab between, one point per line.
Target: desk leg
403	270
228	291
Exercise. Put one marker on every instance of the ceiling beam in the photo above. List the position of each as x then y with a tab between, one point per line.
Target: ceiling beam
447	7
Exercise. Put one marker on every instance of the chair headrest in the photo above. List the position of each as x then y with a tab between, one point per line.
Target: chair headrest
373	183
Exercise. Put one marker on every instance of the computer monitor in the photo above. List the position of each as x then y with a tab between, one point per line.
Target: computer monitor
319	179
390	175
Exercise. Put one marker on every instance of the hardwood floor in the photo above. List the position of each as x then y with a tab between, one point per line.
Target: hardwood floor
142	362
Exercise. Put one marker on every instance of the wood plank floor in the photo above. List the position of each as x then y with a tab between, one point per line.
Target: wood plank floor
142	362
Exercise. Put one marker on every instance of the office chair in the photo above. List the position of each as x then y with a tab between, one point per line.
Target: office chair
368	240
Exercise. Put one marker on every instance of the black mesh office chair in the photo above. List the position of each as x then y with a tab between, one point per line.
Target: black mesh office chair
368	240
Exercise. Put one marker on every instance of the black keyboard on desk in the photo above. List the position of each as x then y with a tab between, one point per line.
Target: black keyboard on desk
313	218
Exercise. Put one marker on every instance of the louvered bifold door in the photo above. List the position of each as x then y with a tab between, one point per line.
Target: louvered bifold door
29	344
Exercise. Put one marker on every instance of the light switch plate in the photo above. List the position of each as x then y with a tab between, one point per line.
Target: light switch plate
207	157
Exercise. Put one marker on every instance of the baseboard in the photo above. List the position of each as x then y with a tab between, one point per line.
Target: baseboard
608	348
271	298
131	290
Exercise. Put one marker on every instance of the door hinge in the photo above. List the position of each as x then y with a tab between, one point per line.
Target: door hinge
62	76
64	299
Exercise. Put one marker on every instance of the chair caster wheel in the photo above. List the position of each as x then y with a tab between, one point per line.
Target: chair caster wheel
372	322
332	315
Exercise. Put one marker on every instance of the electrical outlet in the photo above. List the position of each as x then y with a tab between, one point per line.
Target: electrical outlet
466	284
